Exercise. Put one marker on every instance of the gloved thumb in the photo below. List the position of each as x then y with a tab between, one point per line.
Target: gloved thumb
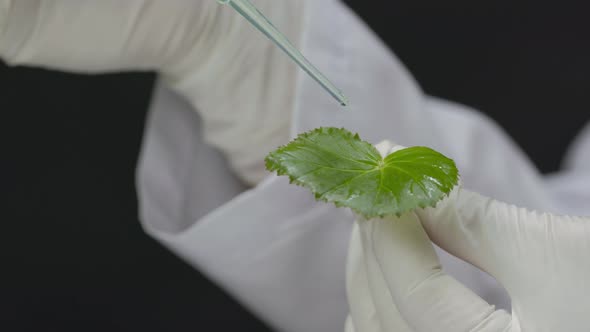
428	298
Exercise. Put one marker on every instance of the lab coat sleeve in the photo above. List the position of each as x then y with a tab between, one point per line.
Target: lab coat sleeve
569	187
241	84
578	156
272	247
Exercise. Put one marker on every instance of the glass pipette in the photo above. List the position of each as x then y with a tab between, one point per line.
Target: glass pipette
256	18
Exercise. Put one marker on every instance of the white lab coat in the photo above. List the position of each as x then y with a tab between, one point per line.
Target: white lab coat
274	248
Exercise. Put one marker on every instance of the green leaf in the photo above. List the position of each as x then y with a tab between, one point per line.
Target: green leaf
337	166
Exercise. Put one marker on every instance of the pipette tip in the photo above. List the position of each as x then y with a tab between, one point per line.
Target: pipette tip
254	16
342	99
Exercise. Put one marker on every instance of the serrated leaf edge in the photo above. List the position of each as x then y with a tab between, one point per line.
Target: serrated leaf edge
276	167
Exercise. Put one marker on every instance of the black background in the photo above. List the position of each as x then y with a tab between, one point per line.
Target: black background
73	256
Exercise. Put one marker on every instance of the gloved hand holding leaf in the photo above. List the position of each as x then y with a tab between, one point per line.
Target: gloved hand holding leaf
395	281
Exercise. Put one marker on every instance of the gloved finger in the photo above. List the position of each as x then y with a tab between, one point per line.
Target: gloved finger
525	250
386	309
107	35
363	312
379	312
428	299
479	230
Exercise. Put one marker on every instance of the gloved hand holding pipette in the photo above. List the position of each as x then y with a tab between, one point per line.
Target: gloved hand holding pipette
206	52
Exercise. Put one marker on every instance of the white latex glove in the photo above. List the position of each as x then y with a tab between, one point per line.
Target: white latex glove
395	281
242	85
